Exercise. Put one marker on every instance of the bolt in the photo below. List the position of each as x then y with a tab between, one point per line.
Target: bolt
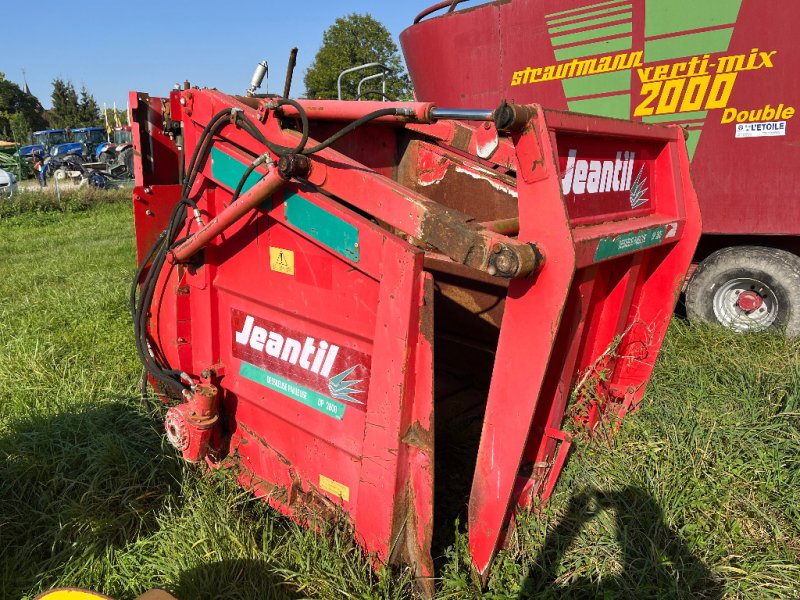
293	165
148	212
183	101
506	263
147	190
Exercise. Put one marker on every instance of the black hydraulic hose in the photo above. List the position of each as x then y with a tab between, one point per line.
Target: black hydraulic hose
138	276
201	148
383	112
157	254
244	178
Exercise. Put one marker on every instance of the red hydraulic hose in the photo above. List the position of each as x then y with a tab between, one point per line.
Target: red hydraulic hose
262	190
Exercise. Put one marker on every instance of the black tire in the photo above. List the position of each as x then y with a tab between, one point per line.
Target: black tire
765	281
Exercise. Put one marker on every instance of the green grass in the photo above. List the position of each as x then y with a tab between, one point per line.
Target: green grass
696	497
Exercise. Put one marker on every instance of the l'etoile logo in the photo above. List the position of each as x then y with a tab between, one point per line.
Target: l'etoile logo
603	176
299	358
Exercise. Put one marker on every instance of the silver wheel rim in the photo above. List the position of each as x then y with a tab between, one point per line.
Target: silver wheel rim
730	314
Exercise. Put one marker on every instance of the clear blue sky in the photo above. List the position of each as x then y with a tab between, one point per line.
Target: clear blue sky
149	45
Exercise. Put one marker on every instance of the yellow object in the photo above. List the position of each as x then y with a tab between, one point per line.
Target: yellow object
71	594
79	594
281	260
334	487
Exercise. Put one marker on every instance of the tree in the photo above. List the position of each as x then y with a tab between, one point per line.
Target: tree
20	128
19	112
66	109
352	41
88	110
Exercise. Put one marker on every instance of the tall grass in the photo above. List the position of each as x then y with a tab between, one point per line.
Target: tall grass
68	198
696	497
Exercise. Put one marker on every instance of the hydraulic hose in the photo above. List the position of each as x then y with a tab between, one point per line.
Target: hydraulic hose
157	256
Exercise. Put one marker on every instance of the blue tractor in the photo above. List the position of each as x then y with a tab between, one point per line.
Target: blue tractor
85	141
43	141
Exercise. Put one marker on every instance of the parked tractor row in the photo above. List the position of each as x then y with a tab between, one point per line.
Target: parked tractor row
82	154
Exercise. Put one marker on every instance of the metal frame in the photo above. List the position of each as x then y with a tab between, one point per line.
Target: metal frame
456	198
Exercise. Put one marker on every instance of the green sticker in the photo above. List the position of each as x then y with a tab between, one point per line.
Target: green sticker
337	234
295	391
625	243
229	171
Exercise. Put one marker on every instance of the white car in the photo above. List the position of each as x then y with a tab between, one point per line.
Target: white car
8	183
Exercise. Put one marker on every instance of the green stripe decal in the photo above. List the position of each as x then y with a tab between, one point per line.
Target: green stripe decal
602	83
310	398
691	44
693	138
577	10
228	171
335	233
627	16
673	16
676	117
592	34
618	106
596	49
612	247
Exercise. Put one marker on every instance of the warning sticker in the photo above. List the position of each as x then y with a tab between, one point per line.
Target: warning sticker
281	260
334	487
767	129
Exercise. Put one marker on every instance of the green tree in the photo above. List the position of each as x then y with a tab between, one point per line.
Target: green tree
19	112
88	110
20	128
66	110
352	41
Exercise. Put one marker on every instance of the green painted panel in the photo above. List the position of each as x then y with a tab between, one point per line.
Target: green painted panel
228	171
596	49
612	247
691	44
572	11
609	106
328	229
692	141
676	117
603	83
620	17
295	391
592	34
672	16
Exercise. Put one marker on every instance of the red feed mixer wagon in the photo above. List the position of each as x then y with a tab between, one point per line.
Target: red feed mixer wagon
327	287
724	70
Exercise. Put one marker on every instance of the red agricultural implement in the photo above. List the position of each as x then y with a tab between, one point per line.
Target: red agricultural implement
326	286
725	70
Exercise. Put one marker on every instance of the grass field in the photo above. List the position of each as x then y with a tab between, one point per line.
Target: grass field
697	497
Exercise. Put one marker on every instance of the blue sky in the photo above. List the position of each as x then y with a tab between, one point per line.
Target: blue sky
148	45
